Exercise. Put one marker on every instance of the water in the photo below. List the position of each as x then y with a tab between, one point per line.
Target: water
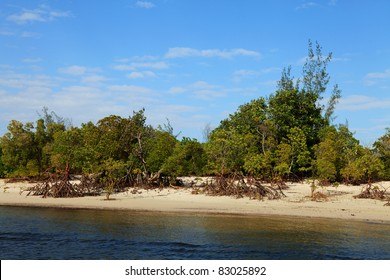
44	233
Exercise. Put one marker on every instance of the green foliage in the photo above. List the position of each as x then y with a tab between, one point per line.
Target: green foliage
113	171
160	147
382	149
283	159
326	158
336	154
3	169
90	154
366	168
66	149
110	132
20	150
242	143
300	155
188	158
17	144
287	135
248	119
292	155
299	106
226	151
259	165
277	137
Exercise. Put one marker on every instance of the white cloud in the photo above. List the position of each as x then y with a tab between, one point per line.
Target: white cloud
379	75
177	90
94	79
362	102
31	60
307	5
199	90
141	75
26	34
375	77
20	81
41	14
25	17
190	52
142	65
206	91
73	70
130	89
77	70
202	85
241	74
145	4
6	33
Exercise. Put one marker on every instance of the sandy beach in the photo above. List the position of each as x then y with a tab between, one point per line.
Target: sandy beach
340	203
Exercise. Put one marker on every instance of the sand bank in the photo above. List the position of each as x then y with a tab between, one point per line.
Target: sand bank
297	202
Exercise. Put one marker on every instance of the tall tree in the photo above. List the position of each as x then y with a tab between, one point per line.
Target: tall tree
298	105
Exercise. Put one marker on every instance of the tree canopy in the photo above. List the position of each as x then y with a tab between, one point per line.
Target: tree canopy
287	135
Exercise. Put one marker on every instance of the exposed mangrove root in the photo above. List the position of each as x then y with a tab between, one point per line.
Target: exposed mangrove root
238	187
319	196
56	186
59	185
89	185
372	192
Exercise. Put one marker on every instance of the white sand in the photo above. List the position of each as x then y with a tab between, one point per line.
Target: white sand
340	204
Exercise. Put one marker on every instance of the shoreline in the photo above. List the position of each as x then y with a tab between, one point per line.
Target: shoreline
196	212
340	203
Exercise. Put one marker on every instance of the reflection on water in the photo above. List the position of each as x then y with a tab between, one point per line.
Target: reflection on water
35	233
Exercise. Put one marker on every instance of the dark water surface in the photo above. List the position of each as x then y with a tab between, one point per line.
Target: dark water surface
46	233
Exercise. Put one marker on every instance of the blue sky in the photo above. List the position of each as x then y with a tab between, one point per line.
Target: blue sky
193	62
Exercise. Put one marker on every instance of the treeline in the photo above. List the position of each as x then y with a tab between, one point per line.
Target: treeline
289	135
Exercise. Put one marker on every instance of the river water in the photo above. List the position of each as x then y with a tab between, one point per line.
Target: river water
49	233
